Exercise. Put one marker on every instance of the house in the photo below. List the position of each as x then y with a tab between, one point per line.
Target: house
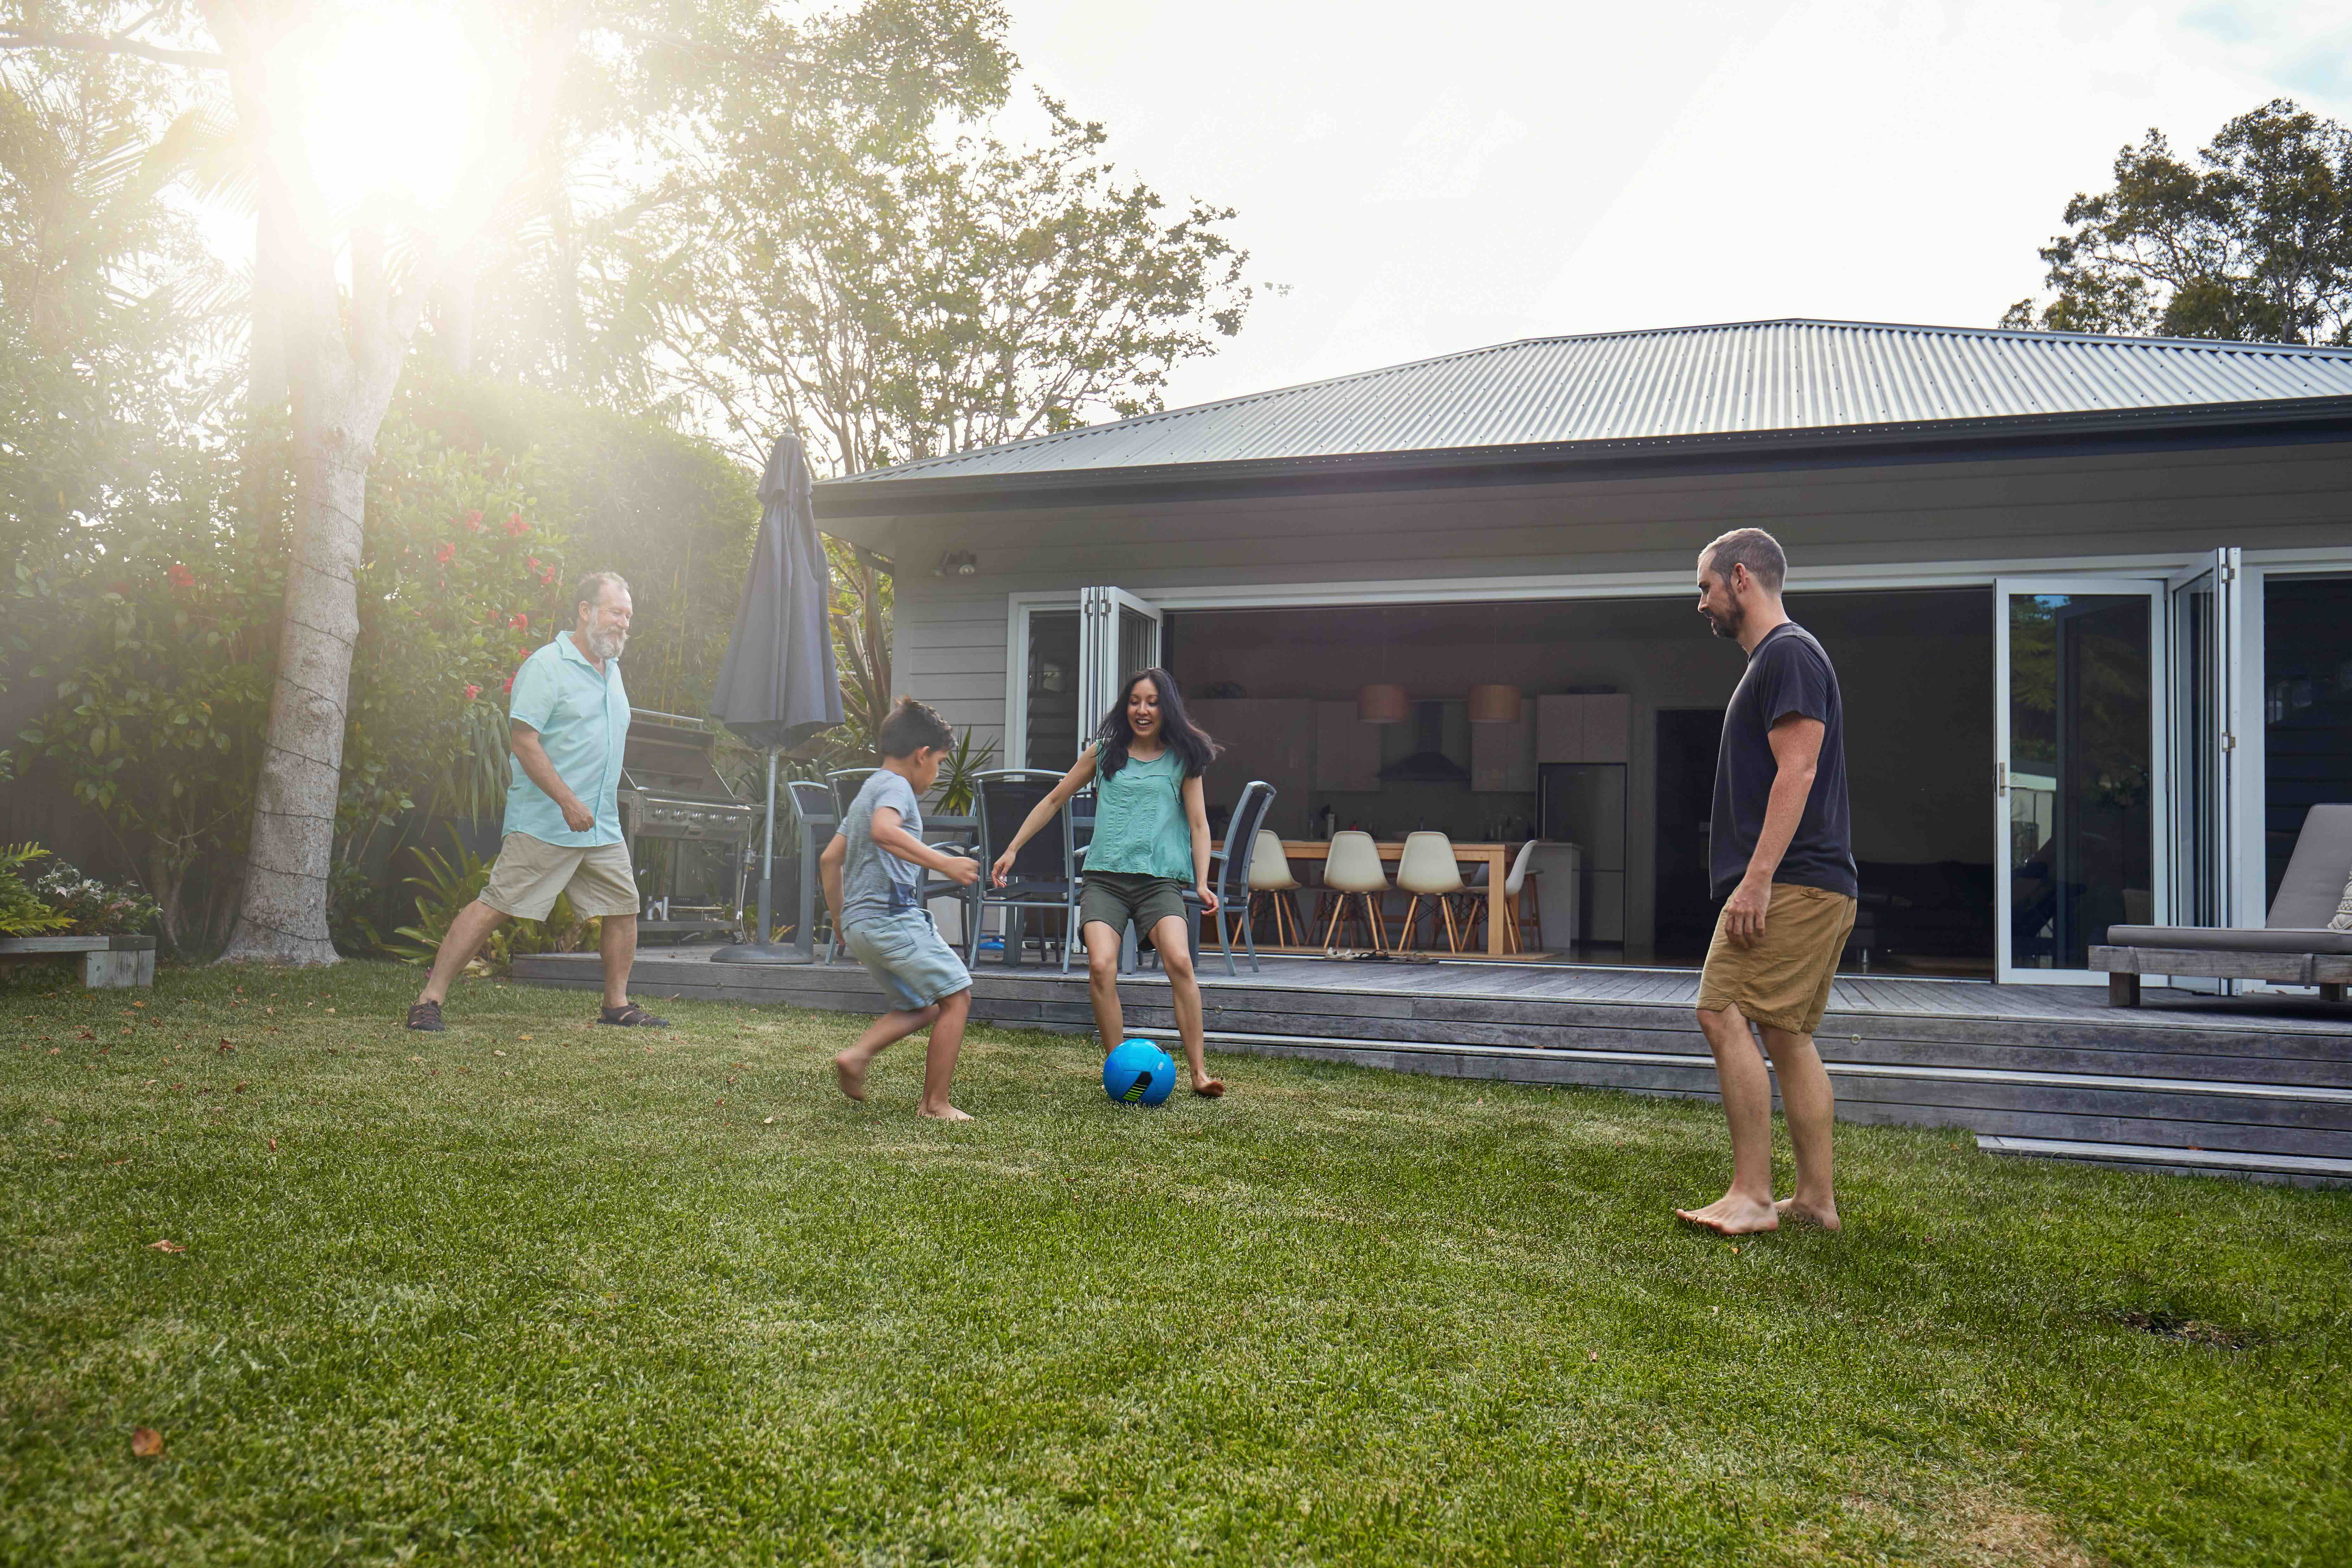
2090	599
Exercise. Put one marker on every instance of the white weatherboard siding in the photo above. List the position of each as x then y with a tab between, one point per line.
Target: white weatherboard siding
2144	508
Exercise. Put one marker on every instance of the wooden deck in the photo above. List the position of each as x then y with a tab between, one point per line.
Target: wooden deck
2257	1087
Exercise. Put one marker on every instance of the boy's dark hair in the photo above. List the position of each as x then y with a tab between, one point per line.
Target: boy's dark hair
910	727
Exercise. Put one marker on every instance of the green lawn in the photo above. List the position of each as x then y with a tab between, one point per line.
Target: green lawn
539	1290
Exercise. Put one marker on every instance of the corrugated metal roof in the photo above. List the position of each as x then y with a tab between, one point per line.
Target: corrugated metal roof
1747	377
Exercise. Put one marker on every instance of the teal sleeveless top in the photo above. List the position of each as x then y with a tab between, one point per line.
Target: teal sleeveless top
1139	827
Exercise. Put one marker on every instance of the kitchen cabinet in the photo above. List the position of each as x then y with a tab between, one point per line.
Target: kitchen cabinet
1503	756
1585	727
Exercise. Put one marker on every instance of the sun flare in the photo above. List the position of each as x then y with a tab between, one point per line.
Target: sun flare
393	105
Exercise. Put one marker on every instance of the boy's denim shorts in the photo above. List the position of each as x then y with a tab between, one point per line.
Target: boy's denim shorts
906	954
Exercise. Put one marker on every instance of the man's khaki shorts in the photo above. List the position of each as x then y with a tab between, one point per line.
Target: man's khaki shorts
1783	981
529	872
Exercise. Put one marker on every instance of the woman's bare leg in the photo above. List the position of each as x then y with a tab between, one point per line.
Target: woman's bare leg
1175	945
1102	982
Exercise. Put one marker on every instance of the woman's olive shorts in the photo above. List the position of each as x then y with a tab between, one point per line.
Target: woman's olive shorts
1116	898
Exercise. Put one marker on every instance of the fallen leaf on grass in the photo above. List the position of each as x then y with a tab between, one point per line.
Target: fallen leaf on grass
79	1035
416	1058
273	1142
767	1122
165	1247
227	1049
498	1053
147	1443
522	1036
239	1089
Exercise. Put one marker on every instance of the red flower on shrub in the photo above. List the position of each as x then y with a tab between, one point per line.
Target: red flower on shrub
508	686
533	561
516	526
474	523
446	553
520	623
183	578
472	690
548	575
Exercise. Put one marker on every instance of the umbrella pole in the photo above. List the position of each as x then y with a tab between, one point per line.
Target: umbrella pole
768	857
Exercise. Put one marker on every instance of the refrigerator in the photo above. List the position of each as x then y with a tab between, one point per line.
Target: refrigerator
1583	804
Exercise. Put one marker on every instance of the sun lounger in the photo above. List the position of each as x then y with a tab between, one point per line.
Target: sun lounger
2294	947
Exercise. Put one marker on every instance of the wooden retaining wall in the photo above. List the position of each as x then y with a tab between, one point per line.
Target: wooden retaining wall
2200	1092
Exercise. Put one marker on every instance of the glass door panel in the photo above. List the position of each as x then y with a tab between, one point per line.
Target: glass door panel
2204	641
1052	732
1119	634
2080	775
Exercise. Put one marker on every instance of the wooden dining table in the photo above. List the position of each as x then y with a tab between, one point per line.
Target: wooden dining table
1496	857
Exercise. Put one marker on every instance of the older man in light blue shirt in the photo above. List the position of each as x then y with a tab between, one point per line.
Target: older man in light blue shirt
569	713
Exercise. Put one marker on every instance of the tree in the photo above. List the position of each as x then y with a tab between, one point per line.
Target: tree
896	296
2251	241
344	351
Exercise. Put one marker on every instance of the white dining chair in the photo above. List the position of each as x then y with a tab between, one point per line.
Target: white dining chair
1271	878
1521	909
1427	869
1354	870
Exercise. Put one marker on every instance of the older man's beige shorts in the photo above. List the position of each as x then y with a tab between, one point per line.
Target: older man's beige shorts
1783	981
529	872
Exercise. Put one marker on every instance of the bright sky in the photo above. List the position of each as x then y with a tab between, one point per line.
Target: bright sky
1430	177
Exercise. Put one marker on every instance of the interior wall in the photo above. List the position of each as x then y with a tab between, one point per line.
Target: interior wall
1915	666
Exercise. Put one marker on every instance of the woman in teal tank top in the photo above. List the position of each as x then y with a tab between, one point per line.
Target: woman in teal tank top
1150	842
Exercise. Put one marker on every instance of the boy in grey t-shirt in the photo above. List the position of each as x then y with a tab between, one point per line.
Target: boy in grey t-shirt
872	871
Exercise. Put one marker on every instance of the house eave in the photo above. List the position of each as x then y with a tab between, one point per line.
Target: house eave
2270	421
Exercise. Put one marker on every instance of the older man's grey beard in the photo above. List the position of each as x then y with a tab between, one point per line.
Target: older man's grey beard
607	645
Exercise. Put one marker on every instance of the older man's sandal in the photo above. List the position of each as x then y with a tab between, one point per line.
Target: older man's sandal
631	1016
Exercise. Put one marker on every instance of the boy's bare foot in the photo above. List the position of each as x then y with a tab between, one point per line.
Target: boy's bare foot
1209	1087
944	1113
1731	1216
1822	1215
850	1074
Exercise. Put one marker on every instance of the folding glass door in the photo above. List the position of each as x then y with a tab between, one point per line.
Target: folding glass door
1119	634
2080	773
2206	618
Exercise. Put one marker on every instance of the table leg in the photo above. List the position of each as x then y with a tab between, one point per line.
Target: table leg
1494	914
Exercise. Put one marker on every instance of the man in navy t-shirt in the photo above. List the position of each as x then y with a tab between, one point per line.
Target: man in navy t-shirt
1780	854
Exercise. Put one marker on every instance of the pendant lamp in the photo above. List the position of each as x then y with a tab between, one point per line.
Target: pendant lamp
1382	704
1495	705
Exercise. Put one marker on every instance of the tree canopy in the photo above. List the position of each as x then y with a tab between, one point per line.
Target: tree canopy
2250	240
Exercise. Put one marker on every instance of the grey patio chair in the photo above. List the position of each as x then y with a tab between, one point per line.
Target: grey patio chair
2294	946
1043	876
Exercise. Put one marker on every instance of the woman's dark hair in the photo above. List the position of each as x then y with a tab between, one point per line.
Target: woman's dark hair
910	727
1188	740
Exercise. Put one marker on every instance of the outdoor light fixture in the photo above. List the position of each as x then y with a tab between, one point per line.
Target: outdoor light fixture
1495	705
956	563
1382	704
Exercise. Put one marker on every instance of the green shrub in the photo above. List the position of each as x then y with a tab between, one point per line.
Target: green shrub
449	882
21	911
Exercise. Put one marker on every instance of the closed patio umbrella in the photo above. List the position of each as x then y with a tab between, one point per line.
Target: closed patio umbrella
777	687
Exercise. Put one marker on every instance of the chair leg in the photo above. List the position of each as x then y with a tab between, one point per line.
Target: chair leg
1452	939
1333	929
1375	923
1411	914
1533	906
1511	923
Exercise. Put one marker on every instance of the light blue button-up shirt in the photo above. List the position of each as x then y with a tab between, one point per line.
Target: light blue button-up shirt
582	719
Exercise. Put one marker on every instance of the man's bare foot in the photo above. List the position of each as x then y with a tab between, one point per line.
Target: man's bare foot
1209	1087
943	1113
1822	1215
1732	1215
850	1075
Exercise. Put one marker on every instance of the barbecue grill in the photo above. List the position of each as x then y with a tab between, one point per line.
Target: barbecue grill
670	790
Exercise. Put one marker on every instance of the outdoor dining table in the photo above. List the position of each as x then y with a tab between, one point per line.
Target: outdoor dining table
1496	857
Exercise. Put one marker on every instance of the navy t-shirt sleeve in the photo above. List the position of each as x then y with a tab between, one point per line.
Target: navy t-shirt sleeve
1790	679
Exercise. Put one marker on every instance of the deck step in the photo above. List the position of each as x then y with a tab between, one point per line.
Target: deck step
2303	1167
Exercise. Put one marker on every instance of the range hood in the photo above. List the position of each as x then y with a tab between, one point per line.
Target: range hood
1428	763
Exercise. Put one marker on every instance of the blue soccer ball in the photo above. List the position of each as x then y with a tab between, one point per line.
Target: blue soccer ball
1139	1073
